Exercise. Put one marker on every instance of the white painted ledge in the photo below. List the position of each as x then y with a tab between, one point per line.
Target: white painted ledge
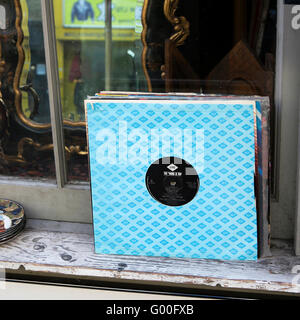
68	249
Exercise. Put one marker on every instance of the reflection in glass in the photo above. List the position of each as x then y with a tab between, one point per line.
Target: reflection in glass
26	148
80	32
160	46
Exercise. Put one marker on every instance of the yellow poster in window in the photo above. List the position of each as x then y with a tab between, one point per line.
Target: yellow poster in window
91	13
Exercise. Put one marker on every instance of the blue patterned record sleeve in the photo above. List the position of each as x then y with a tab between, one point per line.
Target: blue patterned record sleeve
217	139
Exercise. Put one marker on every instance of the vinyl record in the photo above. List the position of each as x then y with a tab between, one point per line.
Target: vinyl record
172	181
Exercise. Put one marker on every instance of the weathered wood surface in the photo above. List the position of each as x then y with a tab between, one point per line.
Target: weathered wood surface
68	253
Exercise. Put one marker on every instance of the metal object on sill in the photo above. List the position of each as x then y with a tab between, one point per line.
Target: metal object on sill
12	219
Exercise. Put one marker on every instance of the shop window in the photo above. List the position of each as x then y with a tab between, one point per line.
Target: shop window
168	46
85	68
227	47
183	46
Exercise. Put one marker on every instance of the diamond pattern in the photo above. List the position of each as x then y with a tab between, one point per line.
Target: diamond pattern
220	222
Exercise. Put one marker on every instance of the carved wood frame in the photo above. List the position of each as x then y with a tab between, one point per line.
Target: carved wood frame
180	31
16	82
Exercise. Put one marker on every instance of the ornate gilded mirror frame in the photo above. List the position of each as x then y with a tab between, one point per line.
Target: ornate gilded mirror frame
160	23
16	129
170	27
15	38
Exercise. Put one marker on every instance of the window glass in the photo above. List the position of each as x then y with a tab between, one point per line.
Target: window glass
26	139
83	63
205	46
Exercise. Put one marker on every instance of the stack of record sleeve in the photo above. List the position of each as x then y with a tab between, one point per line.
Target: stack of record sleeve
155	112
12	220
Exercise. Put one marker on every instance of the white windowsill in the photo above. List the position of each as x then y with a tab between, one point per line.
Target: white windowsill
68	249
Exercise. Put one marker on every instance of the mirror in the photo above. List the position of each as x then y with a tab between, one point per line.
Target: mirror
82	57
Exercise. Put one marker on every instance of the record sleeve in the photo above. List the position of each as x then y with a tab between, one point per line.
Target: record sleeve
142	206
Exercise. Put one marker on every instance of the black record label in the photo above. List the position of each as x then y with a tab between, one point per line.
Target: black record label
172	181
